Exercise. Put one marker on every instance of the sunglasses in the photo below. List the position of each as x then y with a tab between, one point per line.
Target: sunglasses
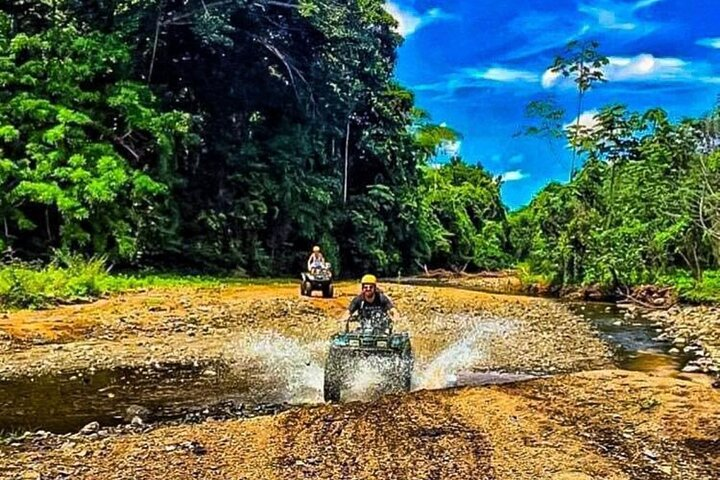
368	287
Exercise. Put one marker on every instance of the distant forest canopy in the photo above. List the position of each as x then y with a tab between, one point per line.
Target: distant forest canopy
237	134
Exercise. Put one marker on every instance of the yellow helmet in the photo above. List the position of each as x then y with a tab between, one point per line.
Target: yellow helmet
368	280
316	249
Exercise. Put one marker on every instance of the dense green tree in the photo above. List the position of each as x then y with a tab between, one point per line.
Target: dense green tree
303	136
466	217
86	158
642	206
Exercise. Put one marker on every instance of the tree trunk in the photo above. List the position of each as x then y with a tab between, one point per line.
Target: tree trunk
611	203
47	225
155	41
347	148
577	127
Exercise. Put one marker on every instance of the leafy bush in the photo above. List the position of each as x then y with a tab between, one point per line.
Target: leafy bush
707	290
67	278
528	278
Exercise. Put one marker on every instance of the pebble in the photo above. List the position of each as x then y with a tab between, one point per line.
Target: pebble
690	368
90	428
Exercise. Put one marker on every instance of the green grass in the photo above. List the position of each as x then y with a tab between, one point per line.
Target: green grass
72	278
705	291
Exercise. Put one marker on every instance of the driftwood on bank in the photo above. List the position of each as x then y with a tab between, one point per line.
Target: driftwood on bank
651	296
441	273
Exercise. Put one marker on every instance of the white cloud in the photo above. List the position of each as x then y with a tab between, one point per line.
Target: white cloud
645	3
452	149
479	77
513	176
614	15
587	120
709	42
439	14
550	78
409	20
608	19
501	74
548	31
645	66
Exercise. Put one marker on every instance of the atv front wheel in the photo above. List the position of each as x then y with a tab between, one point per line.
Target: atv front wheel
405	370
334	377
328	291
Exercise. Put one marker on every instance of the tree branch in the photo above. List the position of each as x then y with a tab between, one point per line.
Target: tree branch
206	8
161	7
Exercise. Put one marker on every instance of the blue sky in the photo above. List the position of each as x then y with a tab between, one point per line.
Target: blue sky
475	64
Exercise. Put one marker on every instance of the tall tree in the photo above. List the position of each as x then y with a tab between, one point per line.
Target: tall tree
582	62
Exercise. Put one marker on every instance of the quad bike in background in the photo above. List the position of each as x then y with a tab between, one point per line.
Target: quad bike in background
319	277
372	340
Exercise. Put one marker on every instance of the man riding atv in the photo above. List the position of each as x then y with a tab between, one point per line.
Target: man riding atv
373	345
371	304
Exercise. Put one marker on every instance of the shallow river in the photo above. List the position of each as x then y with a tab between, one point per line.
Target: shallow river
267	372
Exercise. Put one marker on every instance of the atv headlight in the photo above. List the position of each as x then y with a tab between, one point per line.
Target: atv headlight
354	343
382	343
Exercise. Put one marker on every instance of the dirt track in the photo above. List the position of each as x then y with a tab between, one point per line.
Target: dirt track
605	424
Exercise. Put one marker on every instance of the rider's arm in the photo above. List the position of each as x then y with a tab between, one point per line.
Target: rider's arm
390	307
352	308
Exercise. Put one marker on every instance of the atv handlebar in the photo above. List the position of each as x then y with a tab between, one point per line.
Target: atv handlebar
356	318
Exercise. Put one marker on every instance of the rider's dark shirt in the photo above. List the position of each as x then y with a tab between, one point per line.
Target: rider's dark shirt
380	304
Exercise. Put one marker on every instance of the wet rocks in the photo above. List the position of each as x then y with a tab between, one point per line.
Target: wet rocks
90	428
138	412
694	330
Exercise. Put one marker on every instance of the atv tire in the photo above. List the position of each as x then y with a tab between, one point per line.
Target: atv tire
400	376
306	289
328	291
407	370
334	380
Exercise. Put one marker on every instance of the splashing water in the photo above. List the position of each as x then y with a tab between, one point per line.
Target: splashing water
272	368
278	369
366	379
442	370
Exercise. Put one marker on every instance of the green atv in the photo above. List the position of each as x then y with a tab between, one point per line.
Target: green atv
372	340
319	278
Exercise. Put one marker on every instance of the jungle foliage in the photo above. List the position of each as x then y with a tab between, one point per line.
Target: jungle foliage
231	134
645	207
236	134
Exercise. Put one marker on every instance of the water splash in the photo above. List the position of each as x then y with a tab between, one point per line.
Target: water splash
366	379
442	370
274	368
